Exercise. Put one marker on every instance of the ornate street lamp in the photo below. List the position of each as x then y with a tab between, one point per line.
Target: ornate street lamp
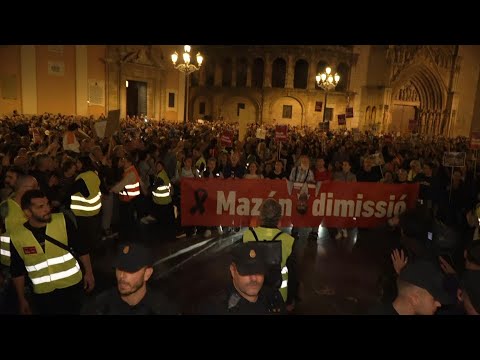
327	82
187	68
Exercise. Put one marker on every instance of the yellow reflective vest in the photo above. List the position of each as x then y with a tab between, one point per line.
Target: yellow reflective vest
15	217
90	206
161	194
54	268
265	234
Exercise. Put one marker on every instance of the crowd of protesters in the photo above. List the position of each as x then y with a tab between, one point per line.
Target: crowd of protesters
53	147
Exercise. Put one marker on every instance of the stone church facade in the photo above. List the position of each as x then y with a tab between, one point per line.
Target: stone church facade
430	89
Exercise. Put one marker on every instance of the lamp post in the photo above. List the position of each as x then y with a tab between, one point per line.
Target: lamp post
327	82
187	68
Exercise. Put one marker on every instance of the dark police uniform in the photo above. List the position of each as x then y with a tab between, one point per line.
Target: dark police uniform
130	259
110	303
249	259
230	302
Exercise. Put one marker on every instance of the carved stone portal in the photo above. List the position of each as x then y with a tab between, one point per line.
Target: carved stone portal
136	63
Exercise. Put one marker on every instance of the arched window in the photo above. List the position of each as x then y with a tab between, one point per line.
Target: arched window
373	118
257	73
210	73
301	75
279	70
227	73
344	71
321	66
242	72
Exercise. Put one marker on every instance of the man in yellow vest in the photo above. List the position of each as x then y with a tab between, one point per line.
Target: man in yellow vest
43	249
162	208
86	202
13	215
270	214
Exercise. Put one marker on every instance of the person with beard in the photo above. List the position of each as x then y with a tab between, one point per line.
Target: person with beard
133	268
44	248
11	176
247	295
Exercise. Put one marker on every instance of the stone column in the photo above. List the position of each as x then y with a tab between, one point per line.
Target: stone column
122	93
267	74
202	76
249	73
234	71
290	73
81	80
157	96
218	74
28	68
312	72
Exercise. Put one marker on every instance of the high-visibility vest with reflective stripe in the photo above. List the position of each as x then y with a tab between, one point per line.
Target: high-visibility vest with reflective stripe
53	269
130	191
15	217
5	249
265	234
161	194
90	206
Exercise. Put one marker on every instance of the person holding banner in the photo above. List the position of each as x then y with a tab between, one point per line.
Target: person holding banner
367	174
200	162
187	171
344	176
234	170
211	172
278	172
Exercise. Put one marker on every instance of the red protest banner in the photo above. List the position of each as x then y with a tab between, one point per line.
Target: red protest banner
234	202
226	138
281	133
475	140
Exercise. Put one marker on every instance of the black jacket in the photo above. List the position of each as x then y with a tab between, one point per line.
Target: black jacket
110	303
230	302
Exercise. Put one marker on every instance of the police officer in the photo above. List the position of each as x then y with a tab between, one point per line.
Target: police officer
131	296
247	294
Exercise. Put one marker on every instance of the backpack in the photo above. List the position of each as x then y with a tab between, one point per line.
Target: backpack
273	251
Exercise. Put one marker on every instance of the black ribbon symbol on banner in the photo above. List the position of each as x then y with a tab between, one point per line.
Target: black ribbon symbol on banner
200	197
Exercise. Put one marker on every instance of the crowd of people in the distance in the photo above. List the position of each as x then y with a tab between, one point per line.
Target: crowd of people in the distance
138	171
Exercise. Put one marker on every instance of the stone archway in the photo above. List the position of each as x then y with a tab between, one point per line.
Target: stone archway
240	109
420	91
277	111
